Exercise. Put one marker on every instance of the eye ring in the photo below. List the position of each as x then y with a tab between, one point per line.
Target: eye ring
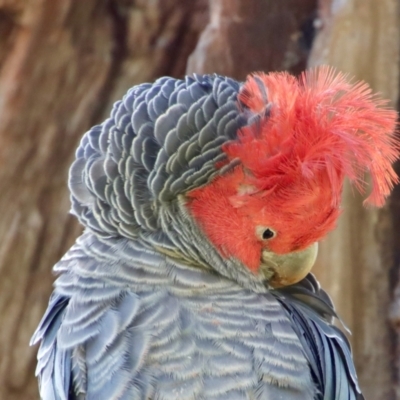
268	234
265	233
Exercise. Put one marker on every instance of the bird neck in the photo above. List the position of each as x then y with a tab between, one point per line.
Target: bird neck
194	248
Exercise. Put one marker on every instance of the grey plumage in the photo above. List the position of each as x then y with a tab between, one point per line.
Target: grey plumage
144	306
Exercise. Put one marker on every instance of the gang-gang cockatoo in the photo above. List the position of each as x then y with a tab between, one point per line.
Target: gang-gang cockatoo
203	200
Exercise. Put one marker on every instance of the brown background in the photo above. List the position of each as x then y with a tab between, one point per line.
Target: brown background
64	62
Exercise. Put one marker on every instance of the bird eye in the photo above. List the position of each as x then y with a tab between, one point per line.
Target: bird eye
264	233
268	234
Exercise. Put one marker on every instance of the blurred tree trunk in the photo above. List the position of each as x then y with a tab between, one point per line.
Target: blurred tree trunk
244	36
63	63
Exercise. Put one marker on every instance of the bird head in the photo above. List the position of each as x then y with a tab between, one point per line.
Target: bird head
304	137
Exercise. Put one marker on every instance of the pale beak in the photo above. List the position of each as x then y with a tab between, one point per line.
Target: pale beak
287	269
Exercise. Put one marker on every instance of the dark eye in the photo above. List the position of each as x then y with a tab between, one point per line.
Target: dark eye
268	234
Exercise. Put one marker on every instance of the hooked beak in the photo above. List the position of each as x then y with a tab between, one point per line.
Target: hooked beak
287	269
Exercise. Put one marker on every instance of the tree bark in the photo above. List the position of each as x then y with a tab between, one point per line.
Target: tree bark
244	36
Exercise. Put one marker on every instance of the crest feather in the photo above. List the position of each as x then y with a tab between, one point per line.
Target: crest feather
319	123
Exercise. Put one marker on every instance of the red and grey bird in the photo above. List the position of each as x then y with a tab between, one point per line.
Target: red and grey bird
203	201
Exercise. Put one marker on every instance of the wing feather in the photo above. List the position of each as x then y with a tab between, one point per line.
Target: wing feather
326	347
54	364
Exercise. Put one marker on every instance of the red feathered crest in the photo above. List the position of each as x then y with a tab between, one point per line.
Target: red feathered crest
317	124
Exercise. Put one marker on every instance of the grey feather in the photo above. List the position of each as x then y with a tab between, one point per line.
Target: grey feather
140	116
144	132
166	123
54	383
328	349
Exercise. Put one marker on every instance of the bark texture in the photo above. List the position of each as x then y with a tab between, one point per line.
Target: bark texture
254	35
62	65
